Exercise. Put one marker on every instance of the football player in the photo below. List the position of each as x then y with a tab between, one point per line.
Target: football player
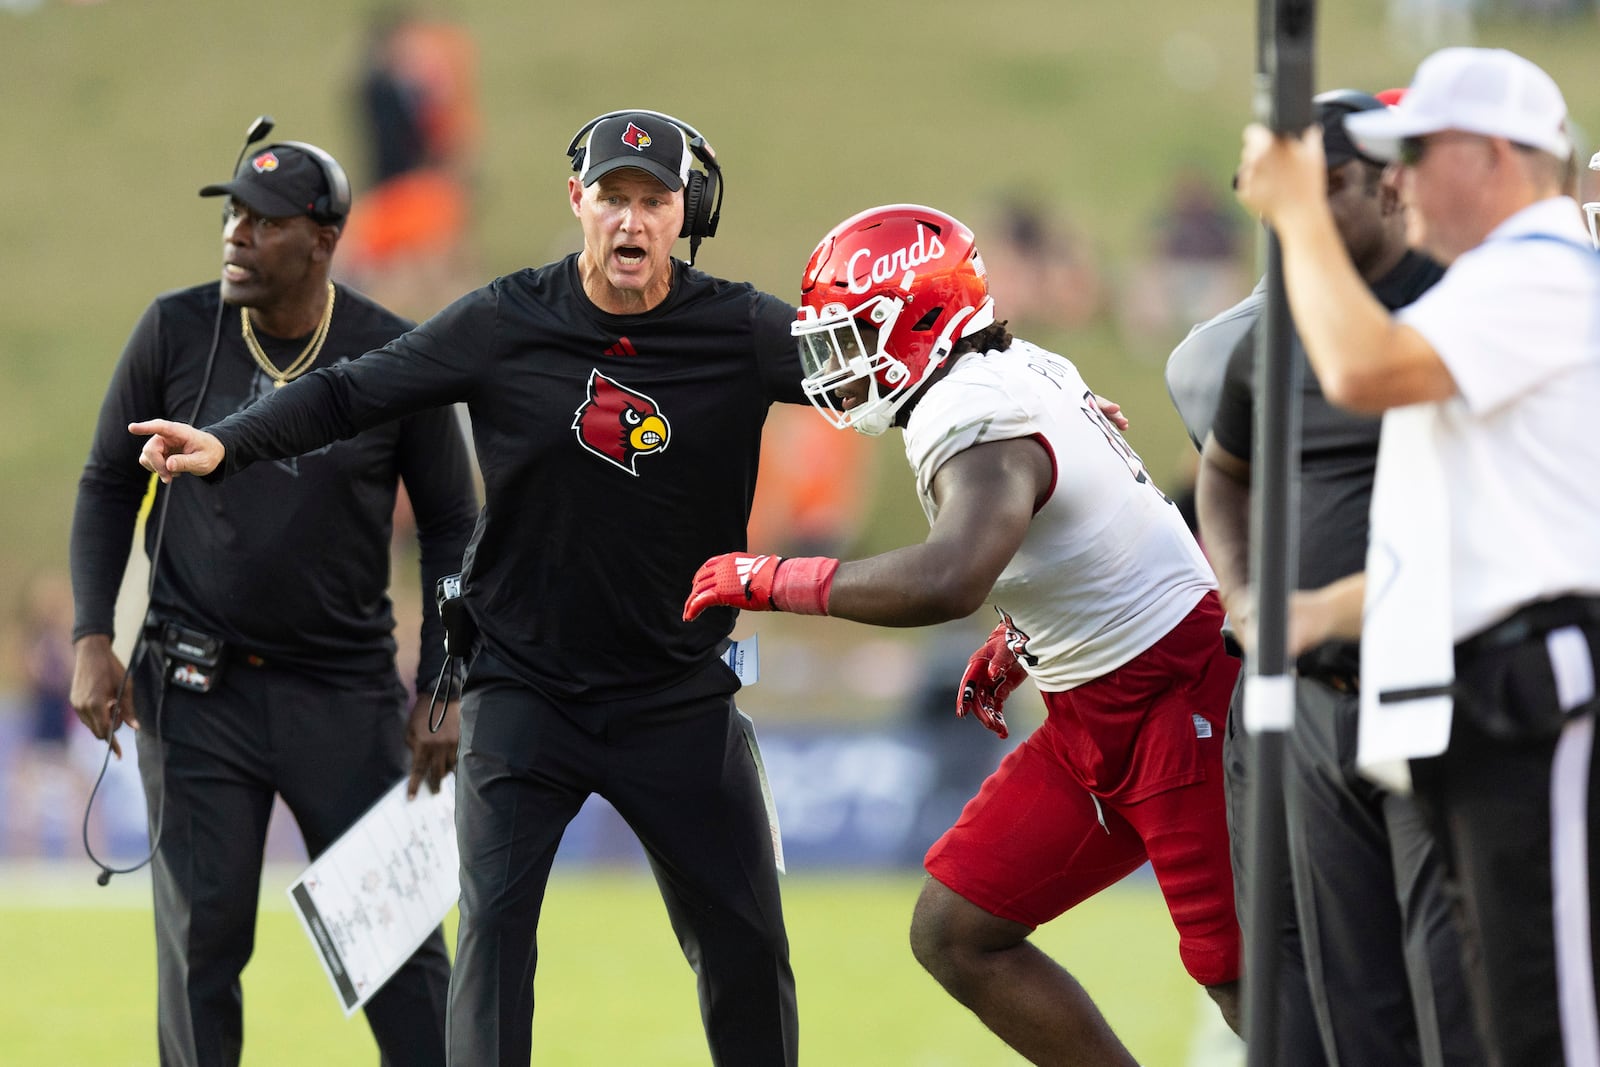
1038	505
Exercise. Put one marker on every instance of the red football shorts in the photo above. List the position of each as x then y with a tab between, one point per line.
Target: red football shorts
1145	742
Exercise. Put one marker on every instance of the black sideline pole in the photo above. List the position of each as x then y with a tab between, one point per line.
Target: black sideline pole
1285	38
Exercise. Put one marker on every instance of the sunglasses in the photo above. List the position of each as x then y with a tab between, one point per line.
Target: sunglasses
1412	149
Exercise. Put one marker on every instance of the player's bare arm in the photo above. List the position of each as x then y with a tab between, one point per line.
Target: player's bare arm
986	497
176	448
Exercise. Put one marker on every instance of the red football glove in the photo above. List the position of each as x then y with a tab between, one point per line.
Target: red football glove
992	673
762	583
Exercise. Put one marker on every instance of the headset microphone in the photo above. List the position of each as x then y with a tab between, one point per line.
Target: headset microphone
258	130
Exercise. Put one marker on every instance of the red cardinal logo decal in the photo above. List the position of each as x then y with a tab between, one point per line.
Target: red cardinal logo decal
1017	641
635	138
618	424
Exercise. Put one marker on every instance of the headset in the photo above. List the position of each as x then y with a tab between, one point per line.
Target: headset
335	203
333	206
702	193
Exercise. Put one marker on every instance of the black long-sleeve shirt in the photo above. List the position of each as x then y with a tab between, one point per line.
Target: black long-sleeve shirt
618	453
289	561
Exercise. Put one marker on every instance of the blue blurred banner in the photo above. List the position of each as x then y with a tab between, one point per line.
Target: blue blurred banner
871	798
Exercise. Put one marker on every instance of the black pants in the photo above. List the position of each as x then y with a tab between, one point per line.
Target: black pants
680	770
211	780
1369	961
1516	804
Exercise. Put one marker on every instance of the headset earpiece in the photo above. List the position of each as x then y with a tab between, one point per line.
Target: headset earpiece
693	201
702	197
335	203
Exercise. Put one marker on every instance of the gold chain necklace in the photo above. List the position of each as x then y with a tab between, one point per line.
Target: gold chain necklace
302	362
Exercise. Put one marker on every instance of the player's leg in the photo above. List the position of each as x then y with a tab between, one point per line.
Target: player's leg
209	799
1299	1041
1171	789
520	779
1349	914
686	780
336	751
1027	848
1185	834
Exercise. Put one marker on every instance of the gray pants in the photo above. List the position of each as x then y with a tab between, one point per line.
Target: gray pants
1383	955
1370	967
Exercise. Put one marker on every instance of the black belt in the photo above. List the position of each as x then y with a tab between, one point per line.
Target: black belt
1336	664
1530	622
1339	682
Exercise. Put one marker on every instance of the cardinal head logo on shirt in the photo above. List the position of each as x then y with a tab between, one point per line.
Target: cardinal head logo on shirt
618	424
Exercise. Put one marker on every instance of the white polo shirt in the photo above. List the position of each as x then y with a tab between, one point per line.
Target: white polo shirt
1517	322
1108	567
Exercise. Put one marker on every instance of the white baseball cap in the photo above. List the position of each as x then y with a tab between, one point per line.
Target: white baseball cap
1489	91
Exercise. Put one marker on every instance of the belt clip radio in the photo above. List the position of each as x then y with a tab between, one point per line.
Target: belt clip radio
195	658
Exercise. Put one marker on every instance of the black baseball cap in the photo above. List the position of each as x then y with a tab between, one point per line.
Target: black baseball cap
1331	108
278	181
650	142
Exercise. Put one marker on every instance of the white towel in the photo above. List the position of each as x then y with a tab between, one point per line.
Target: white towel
1406	641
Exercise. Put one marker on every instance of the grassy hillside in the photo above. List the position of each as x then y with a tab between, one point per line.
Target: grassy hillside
115	113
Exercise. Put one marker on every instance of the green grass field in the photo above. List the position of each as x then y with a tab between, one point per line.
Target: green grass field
78	983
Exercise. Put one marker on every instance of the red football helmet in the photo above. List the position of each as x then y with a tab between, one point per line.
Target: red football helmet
886	296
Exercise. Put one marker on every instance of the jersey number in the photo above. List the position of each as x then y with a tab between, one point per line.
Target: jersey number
1114	438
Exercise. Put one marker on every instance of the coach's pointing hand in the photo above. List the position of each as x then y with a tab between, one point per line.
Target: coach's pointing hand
177	448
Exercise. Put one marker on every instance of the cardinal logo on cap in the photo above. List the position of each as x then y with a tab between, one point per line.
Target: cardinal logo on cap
264	162
635	138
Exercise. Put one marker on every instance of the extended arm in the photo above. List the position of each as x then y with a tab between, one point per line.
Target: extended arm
986	497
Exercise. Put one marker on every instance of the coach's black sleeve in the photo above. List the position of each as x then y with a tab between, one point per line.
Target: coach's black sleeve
433	465
435	365
113	484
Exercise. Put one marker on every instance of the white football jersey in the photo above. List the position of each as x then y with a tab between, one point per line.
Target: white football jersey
1108	566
